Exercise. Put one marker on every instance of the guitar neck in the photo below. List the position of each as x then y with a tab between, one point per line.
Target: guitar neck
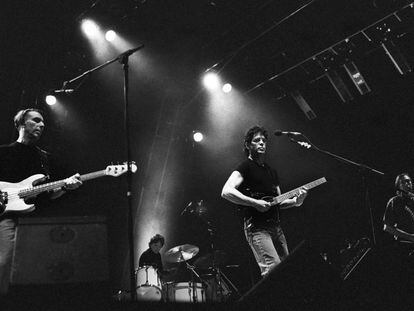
292	193
93	175
32	191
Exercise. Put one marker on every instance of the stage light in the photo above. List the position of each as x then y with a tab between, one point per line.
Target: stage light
90	28
303	105
356	77
396	56
50	100
227	88
197	136
339	85
110	35
211	80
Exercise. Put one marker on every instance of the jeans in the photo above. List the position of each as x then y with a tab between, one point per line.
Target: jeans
269	246
7	238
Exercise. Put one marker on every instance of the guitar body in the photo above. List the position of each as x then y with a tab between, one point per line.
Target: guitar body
271	216
14	203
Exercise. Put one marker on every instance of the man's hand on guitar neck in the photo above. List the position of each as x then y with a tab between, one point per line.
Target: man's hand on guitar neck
72	182
295	201
301	196
265	203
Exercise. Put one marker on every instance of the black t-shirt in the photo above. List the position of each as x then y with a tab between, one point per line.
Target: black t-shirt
18	162
149	258
400	212
259	181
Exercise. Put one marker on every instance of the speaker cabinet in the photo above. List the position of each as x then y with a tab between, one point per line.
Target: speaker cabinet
60	250
303	280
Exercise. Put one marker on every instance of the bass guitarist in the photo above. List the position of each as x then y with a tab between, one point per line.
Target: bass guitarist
19	160
251	180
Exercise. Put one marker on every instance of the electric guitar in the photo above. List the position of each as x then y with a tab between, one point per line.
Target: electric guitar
13	195
290	194
272	215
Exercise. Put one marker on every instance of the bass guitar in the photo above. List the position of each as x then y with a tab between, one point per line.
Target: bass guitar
13	195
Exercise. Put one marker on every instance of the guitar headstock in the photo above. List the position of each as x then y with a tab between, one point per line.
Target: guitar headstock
118	170
304	144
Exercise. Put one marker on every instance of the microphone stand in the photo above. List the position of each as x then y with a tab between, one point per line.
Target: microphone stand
123	58
364	168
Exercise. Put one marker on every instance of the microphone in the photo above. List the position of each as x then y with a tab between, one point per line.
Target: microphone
68	91
280	133
130	52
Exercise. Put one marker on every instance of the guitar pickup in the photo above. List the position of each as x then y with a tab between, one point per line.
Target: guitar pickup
4	199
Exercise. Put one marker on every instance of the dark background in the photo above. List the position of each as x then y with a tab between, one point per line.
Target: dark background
42	46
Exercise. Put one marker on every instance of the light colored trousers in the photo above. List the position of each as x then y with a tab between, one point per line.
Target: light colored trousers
269	247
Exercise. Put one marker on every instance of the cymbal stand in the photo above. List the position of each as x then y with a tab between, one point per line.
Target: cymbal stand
218	274
192	269
230	283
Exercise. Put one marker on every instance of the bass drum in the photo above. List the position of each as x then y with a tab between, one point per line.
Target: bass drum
185	292
148	284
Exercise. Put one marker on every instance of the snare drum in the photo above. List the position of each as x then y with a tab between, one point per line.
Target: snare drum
148	284
186	292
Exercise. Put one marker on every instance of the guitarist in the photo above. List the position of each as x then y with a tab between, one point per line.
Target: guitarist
246	186
19	160
399	213
399	222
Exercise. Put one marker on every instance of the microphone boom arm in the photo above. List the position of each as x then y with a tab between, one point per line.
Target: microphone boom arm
120	58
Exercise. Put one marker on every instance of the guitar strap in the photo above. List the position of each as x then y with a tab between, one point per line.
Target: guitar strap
44	161
273	177
275	183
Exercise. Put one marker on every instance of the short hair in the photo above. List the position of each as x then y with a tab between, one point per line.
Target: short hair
250	134
155	239
398	179
20	116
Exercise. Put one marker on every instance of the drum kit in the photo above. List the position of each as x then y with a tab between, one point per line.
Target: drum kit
208	287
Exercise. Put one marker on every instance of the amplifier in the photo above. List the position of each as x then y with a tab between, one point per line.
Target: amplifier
60	250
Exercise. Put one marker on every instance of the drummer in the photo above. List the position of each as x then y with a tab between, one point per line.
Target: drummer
152	256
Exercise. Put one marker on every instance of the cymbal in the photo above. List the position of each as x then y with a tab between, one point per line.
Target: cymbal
181	253
210	260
